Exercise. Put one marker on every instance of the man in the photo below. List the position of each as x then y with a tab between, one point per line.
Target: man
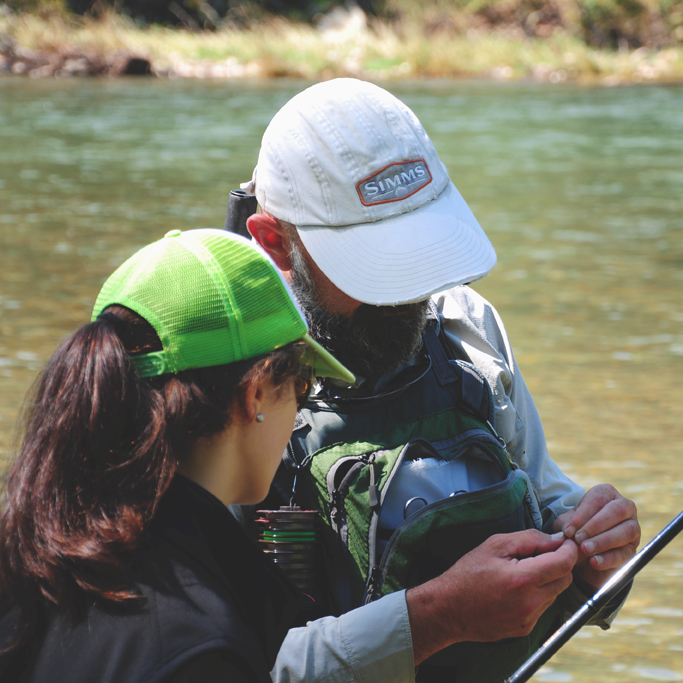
360	215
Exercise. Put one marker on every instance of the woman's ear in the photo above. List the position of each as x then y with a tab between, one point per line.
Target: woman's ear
265	229
253	399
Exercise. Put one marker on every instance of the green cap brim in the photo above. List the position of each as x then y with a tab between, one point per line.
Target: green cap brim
325	364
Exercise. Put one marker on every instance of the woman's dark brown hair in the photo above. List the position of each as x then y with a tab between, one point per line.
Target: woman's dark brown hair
100	448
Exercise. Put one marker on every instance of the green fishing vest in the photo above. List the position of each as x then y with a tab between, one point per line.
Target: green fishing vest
344	455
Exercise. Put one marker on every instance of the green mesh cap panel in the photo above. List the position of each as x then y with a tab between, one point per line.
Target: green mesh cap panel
211	296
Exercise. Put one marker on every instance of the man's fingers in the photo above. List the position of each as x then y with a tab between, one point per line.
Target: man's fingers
529	543
624	534
600	510
612	515
553	566
562	521
612	559
592	503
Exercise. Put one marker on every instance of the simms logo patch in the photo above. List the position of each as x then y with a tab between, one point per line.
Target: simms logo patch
394	182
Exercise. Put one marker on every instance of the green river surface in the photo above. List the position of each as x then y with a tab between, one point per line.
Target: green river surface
580	190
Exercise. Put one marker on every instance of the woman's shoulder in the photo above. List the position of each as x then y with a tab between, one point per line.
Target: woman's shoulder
203	588
189	605
172	625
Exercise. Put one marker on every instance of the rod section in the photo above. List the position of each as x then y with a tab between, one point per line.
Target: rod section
598	601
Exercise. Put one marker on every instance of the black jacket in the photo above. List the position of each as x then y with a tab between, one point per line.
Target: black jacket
213	603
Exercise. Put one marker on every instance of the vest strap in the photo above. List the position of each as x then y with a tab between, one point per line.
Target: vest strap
445	374
473	391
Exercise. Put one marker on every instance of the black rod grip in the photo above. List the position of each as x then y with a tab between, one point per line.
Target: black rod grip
240	206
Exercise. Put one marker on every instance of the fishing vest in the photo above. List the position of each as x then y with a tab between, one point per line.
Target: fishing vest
347	456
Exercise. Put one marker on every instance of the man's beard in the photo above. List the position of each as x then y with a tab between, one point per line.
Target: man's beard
371	342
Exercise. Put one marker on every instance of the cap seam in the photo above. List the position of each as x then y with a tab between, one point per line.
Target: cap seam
321	176
290	182
379	142
409	130
225	292
357	170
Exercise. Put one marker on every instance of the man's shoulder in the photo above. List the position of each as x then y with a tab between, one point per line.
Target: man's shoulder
464	304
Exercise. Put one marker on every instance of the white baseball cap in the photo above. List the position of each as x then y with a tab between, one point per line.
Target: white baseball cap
354	170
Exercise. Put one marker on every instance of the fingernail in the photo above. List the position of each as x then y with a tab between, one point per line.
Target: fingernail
599	559
581	537
558	536
569	531
589	547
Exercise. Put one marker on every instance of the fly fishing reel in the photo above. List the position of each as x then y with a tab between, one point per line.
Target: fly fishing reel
289	538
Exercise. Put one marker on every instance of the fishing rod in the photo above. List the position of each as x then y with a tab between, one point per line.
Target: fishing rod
597	602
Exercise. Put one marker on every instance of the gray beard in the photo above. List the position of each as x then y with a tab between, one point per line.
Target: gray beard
369	342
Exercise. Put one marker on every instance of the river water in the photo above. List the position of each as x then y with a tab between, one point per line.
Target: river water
580	190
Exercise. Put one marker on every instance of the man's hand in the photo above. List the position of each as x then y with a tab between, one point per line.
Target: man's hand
499	590
605	527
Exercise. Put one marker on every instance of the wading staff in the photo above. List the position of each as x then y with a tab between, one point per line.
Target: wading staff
597	602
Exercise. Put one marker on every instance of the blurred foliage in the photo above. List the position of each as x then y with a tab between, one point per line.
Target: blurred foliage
623	24
195	13
619	24
44	8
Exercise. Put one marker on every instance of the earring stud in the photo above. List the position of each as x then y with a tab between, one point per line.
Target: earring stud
260	418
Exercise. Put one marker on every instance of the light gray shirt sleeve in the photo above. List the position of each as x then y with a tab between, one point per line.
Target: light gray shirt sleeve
371	644
476	334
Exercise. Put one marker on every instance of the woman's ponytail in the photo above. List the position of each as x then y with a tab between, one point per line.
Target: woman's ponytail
92	466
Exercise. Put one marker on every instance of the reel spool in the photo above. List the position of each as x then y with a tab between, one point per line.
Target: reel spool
288	538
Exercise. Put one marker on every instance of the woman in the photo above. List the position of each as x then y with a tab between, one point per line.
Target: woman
119	560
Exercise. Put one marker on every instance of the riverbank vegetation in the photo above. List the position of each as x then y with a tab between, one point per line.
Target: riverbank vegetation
604	41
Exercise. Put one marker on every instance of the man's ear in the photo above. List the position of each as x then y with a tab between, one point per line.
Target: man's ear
265	229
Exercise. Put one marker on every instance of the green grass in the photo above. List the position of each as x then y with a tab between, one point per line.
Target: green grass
278	48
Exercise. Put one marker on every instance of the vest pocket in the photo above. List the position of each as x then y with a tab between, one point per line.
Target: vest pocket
437	536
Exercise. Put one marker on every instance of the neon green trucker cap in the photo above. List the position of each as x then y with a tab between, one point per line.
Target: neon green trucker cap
213	298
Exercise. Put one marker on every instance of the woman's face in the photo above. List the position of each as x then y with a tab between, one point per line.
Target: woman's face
278	420
238	464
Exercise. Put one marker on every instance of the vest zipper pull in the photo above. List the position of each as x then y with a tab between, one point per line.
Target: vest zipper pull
336	510
293	496
504	446
372	491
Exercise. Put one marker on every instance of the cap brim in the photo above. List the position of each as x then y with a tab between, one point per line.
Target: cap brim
325	364
406	258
